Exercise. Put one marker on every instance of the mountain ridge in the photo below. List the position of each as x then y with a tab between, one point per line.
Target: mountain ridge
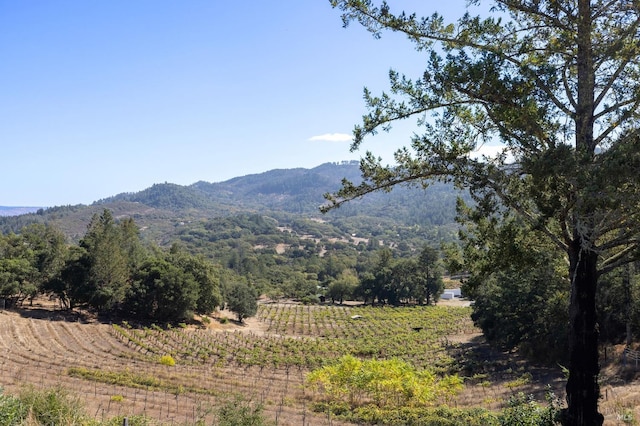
287	194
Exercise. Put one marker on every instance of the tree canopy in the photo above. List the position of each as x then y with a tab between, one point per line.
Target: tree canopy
242	300
557	84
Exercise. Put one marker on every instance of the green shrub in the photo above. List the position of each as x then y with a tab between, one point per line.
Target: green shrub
524	411
53	406
417	416
239	412
310	300
388	383
12	410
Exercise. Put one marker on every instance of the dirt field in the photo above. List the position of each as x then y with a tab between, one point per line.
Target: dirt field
39	345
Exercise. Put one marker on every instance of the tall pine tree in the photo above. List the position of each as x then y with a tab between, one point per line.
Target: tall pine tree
109	274
557	82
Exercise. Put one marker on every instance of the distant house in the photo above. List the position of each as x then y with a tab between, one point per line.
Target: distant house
451	293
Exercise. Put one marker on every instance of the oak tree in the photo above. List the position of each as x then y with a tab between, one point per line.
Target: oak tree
161	290
242	300
17	271
557	83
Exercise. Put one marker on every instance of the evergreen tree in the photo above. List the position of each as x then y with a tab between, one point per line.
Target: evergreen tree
49	252
519	283
429	276
131	244
557	83
205	275
109	273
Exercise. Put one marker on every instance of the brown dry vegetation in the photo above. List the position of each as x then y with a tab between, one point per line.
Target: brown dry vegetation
40	344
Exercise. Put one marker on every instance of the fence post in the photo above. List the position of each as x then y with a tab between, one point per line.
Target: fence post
125	422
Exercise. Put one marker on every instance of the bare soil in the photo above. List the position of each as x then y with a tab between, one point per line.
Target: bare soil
39	343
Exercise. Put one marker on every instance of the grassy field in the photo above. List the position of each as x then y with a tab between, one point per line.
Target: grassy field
179	374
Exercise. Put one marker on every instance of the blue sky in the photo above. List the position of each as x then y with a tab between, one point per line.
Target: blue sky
103	97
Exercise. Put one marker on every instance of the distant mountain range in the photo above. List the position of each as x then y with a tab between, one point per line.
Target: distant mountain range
284	193
17	211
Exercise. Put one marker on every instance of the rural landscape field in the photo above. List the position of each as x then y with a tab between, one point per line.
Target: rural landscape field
115	368
498	156
300	359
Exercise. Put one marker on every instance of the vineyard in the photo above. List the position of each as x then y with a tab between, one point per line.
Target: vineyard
179	374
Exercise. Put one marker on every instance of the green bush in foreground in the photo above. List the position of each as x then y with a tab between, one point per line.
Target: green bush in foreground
12	410
240	412
393	393
56	406
387	383
522	411
411	416
53	406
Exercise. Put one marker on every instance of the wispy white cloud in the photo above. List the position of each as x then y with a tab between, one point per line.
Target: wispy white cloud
486	151
332	137
491	151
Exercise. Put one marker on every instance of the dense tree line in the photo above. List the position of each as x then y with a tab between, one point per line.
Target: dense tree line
28	261
109	271
304	259
516	277
520	287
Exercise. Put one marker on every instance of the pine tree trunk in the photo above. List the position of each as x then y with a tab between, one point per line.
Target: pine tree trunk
582	388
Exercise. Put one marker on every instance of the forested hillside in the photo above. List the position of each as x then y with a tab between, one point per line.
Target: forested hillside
285	195
171	252
265	231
